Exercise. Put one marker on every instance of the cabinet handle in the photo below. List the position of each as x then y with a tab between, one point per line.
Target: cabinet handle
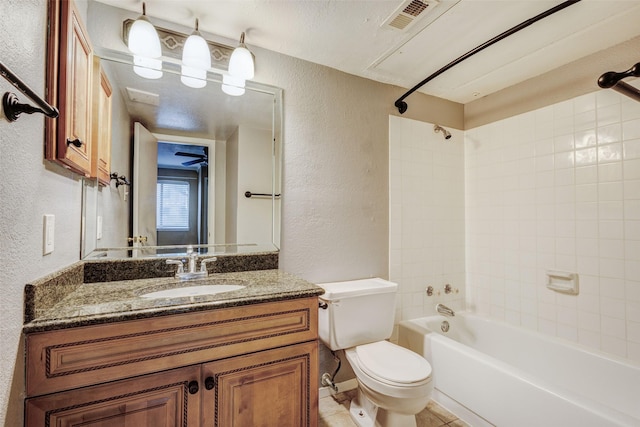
75	142
193	387
209	383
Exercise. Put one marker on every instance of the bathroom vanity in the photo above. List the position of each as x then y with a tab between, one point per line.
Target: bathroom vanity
106	354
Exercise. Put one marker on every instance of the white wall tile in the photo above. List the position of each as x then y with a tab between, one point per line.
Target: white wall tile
631	149
609	172
610	153
611	229
631	129
586	156
633	331
572	199
609	133
607	98
429	223
631	169
586	174
584	103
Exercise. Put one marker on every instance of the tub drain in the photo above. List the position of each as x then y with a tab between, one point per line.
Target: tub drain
444	326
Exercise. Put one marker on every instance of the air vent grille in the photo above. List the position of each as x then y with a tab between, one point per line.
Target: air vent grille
400	22
136	95
408	13
415	8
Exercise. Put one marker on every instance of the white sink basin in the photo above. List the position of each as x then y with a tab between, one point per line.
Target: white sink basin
192	291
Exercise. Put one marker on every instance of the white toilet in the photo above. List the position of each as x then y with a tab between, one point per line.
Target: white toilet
394	383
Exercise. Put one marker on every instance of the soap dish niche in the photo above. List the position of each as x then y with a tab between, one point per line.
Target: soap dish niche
562	281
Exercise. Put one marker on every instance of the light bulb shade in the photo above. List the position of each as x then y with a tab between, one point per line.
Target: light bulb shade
149	68
195	52
193	77
232	85
241	63
143	39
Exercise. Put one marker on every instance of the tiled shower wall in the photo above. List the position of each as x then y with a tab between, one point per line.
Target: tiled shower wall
558	188
426	196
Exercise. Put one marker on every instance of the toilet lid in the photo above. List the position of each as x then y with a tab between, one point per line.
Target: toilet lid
389	362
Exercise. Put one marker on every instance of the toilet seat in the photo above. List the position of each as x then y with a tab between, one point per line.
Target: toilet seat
393	365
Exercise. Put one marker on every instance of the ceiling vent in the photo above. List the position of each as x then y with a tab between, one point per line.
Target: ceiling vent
408	13
136	95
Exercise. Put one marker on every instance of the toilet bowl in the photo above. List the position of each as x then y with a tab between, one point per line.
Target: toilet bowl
394	383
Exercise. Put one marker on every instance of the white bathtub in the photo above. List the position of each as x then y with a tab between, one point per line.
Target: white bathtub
511	377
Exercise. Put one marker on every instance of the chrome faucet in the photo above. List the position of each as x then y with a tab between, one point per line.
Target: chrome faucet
192	259
444	310
191	272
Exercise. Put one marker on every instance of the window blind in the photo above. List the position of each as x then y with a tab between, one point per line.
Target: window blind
172	206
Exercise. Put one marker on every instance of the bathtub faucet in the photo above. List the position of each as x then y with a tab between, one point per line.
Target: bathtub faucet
444	310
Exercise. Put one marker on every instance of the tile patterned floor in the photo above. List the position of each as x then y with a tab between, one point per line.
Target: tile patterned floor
334	412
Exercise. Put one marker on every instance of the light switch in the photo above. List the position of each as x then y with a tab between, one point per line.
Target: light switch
49	232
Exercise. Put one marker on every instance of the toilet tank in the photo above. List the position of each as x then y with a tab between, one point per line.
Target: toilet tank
357	312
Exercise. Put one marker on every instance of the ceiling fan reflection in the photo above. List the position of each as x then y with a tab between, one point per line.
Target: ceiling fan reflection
198	158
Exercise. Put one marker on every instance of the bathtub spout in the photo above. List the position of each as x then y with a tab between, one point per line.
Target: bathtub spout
444	310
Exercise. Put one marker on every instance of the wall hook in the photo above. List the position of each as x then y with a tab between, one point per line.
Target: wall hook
120	180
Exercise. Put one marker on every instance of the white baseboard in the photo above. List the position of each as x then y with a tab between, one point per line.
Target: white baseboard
343	386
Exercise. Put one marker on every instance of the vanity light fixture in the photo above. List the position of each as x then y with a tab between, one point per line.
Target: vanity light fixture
233	86
241	62
196	60
144	43
149	45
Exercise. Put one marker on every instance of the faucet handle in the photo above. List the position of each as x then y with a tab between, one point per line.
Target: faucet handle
178	263
203	266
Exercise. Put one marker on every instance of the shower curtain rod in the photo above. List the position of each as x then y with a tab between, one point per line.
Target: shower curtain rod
402	106
612	80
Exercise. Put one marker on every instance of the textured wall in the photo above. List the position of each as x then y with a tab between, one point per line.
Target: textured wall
336	161
29	188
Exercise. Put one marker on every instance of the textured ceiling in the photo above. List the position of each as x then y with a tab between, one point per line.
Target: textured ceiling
352	36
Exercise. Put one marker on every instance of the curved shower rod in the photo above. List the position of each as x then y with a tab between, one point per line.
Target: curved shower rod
402	106
612	80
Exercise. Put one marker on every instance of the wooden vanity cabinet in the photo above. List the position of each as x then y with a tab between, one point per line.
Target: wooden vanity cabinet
69	87
254	365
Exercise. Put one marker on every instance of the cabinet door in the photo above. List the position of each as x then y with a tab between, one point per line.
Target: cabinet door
101	126
158	400
273	388
70	143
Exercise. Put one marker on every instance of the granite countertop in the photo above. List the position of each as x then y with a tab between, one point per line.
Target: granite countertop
114	301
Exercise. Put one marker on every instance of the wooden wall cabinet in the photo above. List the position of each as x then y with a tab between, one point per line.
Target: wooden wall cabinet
69	87
254	365
101	125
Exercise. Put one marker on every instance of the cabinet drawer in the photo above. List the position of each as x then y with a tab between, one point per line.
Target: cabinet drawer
75	357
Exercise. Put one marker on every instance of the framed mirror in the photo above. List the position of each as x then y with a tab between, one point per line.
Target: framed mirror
189	167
